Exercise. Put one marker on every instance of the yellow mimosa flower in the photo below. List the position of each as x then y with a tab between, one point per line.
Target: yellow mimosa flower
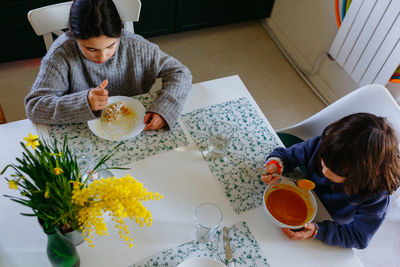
113	196
13	184
57	171
32	140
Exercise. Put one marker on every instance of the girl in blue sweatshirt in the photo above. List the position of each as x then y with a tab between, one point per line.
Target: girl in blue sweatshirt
355	166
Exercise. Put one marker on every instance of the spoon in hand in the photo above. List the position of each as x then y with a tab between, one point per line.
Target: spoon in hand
302	183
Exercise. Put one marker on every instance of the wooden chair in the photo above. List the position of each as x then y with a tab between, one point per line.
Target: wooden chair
53	19
2	117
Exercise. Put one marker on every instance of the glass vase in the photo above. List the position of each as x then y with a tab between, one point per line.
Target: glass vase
60	251
76	236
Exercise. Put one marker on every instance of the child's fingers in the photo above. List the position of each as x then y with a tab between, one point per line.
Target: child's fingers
103	84
156	122
99	91
298	235
288	233
271	169
97	98
266	178
270	178
147	118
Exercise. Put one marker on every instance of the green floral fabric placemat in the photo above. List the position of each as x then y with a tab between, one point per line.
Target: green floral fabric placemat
245	250
253	140
144	145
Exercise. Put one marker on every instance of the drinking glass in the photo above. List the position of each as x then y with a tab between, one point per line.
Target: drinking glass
208	218
82	148
220	134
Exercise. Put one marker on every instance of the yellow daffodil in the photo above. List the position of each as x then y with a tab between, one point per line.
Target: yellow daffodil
13	184
32	140
47	192
57	171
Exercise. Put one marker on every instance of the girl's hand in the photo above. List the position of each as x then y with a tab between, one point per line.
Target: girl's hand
306	233
153	121
268	177
98	97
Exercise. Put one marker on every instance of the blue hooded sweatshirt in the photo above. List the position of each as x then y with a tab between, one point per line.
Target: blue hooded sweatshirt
355	219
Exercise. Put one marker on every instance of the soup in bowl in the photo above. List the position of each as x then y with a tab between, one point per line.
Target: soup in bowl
289	206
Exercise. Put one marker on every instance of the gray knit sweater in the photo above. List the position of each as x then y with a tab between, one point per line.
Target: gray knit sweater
59	94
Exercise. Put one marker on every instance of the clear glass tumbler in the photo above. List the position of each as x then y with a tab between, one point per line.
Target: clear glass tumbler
220	134
82	148
208	218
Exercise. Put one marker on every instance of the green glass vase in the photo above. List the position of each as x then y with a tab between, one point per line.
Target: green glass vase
60	251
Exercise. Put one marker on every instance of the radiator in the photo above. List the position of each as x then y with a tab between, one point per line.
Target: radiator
367	45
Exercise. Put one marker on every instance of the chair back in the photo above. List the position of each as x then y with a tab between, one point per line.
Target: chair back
374	99
2	117
53	19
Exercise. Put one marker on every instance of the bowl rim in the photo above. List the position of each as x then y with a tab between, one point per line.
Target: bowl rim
282	225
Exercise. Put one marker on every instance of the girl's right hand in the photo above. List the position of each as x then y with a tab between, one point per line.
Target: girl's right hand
98	97
268	177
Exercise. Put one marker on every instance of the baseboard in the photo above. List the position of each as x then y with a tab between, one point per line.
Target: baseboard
316	83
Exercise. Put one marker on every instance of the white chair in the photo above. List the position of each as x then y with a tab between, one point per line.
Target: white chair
53	19
373	98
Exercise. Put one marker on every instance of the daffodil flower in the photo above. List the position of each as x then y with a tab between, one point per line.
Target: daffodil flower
57	171
32	140
47	192
13	184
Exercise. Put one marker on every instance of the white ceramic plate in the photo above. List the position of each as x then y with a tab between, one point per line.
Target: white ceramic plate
307	196
126	127
201	262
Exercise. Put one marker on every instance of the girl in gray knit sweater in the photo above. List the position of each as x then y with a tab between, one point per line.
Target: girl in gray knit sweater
96	59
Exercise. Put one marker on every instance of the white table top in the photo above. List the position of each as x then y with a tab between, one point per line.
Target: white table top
184	179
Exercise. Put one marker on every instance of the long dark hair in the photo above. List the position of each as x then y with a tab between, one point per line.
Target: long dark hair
92	18
363	148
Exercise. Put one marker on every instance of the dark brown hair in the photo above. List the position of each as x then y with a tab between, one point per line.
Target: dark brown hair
92	18
363	148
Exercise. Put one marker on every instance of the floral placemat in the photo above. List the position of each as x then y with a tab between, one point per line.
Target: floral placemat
144	145
253	140
245	250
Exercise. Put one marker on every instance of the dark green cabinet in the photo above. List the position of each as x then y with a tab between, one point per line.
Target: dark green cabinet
18	40
157	17
196	14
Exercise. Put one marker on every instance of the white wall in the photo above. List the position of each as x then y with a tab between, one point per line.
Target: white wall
306	29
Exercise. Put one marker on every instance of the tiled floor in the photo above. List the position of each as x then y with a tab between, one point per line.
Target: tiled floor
244	49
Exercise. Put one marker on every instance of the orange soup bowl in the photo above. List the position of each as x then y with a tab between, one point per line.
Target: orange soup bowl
289	206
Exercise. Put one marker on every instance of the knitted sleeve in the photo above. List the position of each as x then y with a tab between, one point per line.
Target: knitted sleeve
49	100
176	83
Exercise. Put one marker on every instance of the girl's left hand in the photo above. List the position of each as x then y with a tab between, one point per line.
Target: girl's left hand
153	121
306	233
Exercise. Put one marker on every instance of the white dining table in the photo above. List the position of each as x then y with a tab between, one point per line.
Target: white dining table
184	179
